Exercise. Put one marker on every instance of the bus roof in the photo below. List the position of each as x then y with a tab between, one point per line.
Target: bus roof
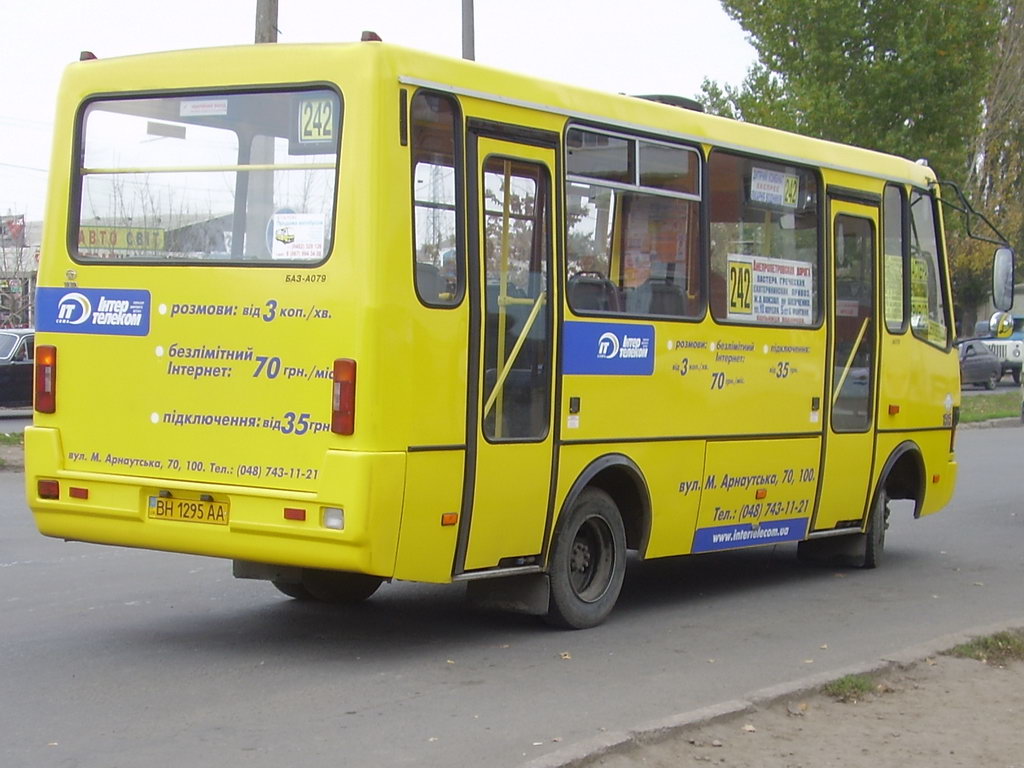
239	66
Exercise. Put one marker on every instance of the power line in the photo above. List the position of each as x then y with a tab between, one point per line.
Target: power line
25	121
24	167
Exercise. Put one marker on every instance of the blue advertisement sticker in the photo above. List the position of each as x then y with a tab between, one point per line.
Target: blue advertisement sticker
607	349
111	312
746	535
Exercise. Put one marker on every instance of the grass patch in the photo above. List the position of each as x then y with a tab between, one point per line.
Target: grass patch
983	407
12	438
850	688
998	649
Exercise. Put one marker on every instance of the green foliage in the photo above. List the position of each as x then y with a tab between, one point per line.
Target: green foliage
901	76
12	438
995	182
999	649
971	267
850	688
1001	405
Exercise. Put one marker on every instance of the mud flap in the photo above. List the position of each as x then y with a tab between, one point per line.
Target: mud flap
517	594
845	550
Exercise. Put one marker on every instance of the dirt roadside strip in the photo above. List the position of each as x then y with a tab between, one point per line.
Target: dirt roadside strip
684	731
1012	421
12	458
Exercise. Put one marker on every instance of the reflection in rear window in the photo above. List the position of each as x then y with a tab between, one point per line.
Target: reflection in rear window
224	177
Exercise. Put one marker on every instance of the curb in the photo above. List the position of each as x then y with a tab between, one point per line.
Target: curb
1012	421
613	742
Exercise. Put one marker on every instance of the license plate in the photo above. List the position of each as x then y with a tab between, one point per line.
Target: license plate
188	510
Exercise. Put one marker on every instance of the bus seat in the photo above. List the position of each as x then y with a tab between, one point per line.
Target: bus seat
593	291
658	297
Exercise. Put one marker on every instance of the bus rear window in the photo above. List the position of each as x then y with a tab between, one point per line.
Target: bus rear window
217	177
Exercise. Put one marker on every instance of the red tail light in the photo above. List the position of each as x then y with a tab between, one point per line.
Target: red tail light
48	489
46	379
343	403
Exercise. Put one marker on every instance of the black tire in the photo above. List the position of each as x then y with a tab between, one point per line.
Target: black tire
331	586
293	590
991	381
588	562
874	536
1016	377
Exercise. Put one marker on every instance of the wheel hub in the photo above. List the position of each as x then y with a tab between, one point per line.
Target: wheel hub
579	561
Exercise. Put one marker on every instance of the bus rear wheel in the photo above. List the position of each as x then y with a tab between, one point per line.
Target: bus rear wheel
331	586
588	562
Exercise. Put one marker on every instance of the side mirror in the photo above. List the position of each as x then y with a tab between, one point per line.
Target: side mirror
1002	279
1001	325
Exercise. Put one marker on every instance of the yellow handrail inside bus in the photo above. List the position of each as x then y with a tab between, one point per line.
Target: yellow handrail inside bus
849	361
211	168
500	381
502	292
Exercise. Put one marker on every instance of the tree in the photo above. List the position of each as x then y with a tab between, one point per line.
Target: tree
995	179
918	78
901	76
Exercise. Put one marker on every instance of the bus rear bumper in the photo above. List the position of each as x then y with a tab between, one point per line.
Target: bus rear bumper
361	491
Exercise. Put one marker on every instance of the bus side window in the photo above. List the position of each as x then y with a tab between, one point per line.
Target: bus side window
894	274
436	190
633	243
927	295
764	221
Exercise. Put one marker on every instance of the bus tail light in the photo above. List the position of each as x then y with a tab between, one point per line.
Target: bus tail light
48	489
46	378
343	402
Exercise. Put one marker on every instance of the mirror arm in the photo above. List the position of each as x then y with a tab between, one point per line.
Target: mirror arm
968	212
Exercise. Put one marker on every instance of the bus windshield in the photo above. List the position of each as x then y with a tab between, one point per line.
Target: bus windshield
208	177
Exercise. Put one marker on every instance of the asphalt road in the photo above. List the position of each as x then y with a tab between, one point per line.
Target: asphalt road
114	657
15	419
1005	384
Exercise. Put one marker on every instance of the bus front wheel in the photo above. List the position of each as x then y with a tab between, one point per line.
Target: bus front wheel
874	537
588	562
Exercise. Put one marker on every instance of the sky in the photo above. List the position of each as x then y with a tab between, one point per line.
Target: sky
636	46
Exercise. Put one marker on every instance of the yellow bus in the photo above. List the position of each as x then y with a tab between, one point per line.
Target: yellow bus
346	314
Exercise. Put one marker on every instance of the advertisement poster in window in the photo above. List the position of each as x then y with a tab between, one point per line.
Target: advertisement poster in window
770	291
657	233
298	237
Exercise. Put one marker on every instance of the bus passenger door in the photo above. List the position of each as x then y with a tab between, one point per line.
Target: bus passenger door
509	429
850	433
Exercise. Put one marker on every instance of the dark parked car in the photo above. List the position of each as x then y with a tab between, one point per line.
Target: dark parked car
16	352
978	365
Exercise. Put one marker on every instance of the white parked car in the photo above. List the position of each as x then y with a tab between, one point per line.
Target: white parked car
1010	351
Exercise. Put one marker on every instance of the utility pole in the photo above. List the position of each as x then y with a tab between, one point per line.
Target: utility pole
260	204
266	21
468	44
